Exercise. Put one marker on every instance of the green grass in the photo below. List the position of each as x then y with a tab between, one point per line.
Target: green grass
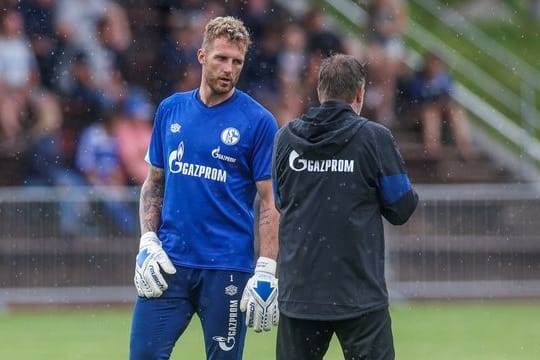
423	331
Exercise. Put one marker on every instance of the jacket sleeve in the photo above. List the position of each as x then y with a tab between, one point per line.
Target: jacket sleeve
276	170
397	198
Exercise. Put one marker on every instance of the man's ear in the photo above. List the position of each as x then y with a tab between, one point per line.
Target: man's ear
201	56
360	94
360	98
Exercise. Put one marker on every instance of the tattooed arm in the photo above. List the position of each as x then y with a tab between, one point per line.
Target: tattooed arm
260	296
152	260
151	200
268	221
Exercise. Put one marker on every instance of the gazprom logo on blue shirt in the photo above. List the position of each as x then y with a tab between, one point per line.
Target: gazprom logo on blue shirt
176	166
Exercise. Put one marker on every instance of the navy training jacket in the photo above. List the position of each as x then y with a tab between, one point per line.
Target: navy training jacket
336	175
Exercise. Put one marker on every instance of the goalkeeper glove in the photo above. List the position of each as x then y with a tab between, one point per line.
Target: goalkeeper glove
148	278
259	299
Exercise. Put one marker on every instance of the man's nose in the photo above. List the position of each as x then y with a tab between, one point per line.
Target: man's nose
228	66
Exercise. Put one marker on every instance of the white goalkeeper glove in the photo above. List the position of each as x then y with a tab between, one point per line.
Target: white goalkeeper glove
148	278
260	297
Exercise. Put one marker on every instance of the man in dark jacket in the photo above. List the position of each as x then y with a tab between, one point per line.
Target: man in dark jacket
335	176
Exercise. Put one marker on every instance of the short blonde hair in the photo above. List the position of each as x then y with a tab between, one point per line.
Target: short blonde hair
229	27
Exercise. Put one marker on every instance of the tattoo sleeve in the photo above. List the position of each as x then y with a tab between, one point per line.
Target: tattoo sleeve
151	201
268	221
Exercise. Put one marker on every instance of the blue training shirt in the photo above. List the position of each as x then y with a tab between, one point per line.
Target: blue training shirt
212	157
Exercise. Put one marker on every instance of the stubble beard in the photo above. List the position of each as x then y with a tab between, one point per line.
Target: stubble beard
221	90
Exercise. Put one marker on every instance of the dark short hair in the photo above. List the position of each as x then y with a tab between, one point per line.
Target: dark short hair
340	77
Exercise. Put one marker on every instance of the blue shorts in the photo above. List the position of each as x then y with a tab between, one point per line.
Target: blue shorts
213	294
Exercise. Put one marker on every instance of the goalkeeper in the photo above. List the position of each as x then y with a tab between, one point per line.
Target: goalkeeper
336	175
209	155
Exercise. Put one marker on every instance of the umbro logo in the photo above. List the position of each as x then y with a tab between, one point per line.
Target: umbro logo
231	290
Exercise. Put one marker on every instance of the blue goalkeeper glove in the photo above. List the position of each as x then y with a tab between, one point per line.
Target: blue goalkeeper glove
148	278
260	297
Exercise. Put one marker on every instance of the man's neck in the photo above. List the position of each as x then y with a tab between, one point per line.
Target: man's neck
210	98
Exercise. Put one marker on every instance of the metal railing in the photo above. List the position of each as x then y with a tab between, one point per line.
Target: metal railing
518	111
529	76
463	241
468	241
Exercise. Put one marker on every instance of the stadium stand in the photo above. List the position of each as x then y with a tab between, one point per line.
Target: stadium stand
58	236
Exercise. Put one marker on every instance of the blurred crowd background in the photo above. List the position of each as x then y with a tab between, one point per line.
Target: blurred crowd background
80	79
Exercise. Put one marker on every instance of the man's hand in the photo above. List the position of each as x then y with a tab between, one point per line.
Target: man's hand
148	278
260	297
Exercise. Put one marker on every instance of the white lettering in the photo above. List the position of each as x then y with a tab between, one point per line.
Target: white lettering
227	343
296	163
222	176
176	166
217	155
195	170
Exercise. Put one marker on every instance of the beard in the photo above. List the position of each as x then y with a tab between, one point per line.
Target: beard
221	85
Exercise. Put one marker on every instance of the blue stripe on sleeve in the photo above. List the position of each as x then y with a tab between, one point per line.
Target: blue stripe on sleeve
277	199
393	187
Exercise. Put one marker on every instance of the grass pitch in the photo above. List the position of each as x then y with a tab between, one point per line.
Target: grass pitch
423	331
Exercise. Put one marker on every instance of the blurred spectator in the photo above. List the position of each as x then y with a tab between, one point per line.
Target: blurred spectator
76	20
114	29
431	89
310	78
130	126
179	52
258	15
291	103
207	10
113	38
18	74
116	90
39	25
83	101
321	42
98	160
132	132
26	109
292	60
292	56
47	165
189	79
260	75
97	153
92	55
386	26
320	38
98	28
